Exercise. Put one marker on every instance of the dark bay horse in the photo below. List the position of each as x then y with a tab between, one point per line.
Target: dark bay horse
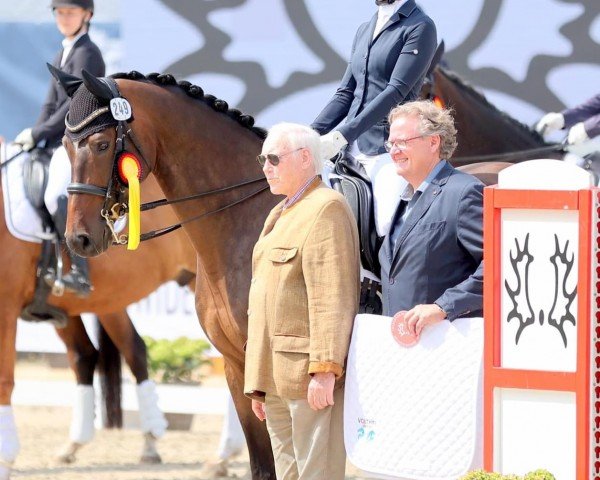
489	140
119	278
192	144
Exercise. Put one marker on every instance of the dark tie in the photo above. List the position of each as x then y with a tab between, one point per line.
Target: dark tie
402	206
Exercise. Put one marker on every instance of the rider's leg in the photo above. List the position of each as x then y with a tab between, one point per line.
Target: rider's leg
78	279
55	198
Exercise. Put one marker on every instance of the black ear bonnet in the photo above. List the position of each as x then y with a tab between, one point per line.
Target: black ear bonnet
87	115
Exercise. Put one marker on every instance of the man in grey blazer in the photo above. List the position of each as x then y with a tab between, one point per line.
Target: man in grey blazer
431	261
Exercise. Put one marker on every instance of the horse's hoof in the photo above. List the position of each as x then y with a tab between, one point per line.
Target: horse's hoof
150	459
66	458
214	469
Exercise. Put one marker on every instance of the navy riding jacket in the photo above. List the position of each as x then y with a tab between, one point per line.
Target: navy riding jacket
382	73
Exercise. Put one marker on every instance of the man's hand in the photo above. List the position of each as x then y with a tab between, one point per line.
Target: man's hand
259	410
331	144
549	123
25	139
420	316
577	134
320	390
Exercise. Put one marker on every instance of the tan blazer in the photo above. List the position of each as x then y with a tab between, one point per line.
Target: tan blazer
303	294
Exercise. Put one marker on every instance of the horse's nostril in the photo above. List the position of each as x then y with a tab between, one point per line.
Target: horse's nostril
84	241
81	244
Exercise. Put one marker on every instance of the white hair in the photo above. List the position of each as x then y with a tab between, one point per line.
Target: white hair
296	136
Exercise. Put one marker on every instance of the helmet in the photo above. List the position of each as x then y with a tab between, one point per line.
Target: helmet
85	4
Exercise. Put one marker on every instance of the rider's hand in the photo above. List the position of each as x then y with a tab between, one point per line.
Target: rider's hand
577	134
331	144
550	122
25	139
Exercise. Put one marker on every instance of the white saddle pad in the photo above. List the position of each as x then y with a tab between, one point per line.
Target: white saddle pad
414	413
21	219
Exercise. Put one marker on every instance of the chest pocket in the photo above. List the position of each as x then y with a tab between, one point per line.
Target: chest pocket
282	255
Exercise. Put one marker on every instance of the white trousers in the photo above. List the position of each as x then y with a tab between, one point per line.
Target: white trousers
59	177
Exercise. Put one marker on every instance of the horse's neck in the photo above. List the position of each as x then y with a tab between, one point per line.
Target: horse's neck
482	129
218	154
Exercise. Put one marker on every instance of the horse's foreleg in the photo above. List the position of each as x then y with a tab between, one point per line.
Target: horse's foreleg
262	465
82	356
9	440
120	329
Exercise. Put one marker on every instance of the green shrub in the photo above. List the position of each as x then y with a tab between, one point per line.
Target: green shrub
482	475
176	361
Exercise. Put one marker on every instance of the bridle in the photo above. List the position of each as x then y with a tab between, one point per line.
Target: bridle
115	206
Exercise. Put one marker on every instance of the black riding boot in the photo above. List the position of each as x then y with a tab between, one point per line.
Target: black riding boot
77	280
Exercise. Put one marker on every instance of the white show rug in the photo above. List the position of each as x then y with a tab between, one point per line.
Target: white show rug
414	412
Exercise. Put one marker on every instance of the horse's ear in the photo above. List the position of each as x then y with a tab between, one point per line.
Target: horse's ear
69	82
437	57
99	88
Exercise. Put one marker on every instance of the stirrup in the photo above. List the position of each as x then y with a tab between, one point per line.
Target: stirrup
77	283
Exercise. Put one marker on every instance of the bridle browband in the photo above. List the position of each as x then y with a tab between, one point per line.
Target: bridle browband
116	187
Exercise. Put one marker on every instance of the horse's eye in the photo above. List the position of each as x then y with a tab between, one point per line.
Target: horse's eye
102	146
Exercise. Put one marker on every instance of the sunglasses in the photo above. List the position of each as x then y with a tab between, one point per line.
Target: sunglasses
273	158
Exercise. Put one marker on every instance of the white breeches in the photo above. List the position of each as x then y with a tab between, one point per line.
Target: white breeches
387	188
59	177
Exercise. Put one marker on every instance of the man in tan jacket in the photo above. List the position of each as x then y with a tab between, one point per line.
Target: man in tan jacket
303	299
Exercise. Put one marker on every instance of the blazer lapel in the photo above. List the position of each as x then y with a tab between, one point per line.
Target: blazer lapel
404	11
80	41
421	206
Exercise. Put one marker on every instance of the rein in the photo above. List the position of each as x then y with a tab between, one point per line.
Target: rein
160	203
14	157
459	161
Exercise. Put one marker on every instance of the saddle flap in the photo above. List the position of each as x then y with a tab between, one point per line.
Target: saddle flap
354	184
35	176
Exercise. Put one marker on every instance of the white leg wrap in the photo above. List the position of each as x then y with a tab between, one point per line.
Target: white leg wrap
232	437
9	440
82	420
152	419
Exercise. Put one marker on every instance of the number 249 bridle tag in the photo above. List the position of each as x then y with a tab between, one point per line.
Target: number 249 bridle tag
120	109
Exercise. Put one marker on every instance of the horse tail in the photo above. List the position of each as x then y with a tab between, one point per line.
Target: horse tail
110	378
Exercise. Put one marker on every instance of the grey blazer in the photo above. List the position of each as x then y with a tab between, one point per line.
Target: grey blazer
439	250
382	73
50	125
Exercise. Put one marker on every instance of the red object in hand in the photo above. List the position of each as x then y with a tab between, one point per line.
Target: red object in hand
400	331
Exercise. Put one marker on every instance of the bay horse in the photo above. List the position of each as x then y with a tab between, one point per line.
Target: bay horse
193	144
119	278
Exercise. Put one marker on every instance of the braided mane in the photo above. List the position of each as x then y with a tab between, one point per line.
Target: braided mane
194	91
480	97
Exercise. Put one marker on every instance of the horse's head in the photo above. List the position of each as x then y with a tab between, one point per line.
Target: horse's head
101	146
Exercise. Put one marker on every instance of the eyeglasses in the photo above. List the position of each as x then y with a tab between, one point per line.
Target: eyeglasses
399	144
273	158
